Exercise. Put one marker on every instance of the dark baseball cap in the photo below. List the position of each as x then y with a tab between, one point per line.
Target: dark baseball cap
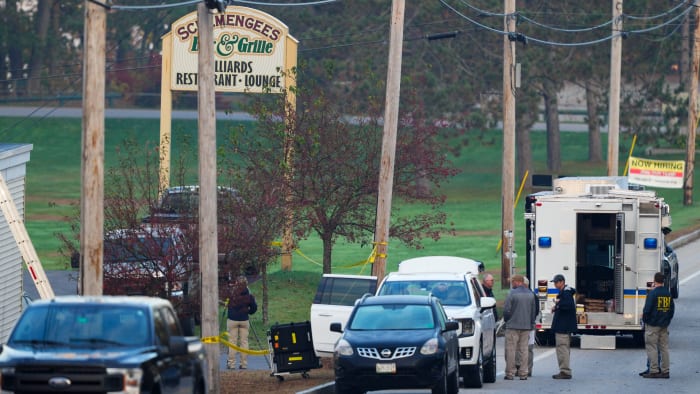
558	278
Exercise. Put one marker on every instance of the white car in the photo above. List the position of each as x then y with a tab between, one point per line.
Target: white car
455	281
334	301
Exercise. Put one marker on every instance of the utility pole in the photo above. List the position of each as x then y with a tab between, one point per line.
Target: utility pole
208	253
391	120
92	147
614	101
508	169
692	114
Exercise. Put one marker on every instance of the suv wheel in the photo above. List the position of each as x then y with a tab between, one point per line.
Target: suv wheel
453	382
490	367
475	373
441	386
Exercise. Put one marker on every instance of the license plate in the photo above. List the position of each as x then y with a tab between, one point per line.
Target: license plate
386	368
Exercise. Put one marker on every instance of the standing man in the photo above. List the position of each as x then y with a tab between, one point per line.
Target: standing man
241	305
657	315
563	324
487	284
531	338
519	314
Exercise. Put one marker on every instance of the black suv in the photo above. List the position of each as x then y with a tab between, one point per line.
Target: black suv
397	342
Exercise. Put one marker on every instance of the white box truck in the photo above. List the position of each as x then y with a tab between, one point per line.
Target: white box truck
608	241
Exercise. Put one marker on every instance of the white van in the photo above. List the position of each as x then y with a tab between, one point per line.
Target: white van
455	281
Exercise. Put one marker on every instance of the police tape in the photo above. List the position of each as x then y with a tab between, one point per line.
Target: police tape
222	339
362	263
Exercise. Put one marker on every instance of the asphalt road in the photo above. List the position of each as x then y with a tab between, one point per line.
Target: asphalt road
616	371
129	113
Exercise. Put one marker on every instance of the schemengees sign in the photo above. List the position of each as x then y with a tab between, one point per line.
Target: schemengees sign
252	49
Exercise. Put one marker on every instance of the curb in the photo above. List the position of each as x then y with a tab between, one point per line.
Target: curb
686	239
326	388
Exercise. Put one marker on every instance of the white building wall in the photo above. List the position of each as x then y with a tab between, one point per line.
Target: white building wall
13	159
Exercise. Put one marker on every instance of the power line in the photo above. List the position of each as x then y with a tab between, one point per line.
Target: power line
524	38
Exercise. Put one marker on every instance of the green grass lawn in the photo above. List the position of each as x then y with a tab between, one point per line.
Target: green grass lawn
473	201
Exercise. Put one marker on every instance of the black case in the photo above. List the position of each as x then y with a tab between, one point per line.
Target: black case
292	348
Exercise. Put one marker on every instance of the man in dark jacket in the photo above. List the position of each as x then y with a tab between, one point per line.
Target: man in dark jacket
519	313
487	284
657	315
241	304
563	324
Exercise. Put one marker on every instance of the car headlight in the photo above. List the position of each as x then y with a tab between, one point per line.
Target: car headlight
468	327
132	378
343	348
429	347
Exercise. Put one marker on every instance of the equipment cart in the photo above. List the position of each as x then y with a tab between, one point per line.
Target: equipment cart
292	350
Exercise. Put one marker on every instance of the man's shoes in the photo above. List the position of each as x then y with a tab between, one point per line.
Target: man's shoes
657	375
231	367
644	373
523	378
561	376
242	367
508	377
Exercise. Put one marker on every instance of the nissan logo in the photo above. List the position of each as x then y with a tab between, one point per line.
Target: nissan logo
386	353
59	382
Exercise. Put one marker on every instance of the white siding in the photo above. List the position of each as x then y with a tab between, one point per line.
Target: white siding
13	159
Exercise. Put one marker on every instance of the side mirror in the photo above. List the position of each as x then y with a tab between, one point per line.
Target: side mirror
178	346
487	302
337	327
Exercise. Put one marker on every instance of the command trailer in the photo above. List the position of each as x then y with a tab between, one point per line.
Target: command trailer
607	240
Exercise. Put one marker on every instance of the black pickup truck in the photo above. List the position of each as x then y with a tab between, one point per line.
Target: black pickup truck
102	344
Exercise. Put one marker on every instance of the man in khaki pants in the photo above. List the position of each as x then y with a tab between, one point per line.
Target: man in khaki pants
241	305
563	324
658	312
519	314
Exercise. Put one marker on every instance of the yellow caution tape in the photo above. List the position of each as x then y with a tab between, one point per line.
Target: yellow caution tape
221	339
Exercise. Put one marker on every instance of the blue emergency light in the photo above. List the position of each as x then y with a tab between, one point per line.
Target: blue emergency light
650	243
544	242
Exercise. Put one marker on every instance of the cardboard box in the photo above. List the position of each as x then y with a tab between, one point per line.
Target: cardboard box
582	318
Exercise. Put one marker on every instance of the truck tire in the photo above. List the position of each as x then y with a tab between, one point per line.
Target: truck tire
474	374
638	338
441	386
545	338
490	366
674	291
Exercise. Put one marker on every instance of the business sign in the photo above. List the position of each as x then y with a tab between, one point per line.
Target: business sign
657	173
252	51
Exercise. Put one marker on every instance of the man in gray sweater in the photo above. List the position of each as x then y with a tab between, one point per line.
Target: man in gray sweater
519	314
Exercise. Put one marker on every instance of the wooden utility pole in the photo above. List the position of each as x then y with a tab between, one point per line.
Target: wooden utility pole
508	169
391	120
92	147
614	101
692	113
208	253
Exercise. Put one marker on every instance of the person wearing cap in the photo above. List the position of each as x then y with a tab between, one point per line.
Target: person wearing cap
563	324
657	314
519	314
